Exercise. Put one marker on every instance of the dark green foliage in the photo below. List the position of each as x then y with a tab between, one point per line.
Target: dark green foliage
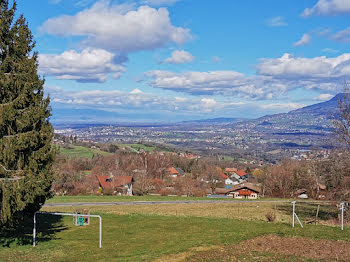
26	155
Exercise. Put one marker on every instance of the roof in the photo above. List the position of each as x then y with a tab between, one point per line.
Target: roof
220	190
173	171
106	181
237	187
230	169
103	181
122	180
222	174
179	171
241	173
322	187
301	191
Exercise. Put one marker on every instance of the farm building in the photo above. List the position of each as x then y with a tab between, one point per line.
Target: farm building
120	185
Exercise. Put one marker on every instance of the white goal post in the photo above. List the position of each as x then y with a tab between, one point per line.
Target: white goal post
64	214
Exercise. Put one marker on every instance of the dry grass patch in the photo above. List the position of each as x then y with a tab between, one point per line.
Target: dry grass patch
275	248
246	211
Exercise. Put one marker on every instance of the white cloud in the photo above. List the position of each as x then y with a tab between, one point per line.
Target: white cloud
273	79
342	36
313	69
328	8
159	2
136	91
283	106
118	101
329	50
276	21
323	97
217	82
83	3
135	101
305	40
119	28
91	65
208	102
179	57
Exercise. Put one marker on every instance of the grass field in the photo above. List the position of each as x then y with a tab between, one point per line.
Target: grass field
167	232
146	148
80	151
93	198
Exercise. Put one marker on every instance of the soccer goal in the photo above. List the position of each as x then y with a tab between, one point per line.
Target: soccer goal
65	214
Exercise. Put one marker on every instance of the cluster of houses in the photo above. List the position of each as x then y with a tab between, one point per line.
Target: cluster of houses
236	183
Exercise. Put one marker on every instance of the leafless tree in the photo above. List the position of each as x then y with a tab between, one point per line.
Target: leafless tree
342	121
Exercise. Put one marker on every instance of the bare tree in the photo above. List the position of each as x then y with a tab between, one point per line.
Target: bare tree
342	121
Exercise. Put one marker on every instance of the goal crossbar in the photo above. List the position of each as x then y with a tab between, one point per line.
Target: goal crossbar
65	214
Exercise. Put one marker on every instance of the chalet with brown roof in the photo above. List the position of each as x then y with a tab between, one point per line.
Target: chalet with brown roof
120	185
240	191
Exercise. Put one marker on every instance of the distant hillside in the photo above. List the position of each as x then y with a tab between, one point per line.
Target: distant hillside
313	116
324	108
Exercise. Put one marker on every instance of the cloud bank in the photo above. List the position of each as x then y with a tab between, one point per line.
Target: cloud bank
119	28
328	8
90	65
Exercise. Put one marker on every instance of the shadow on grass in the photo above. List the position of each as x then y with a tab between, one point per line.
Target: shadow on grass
47	226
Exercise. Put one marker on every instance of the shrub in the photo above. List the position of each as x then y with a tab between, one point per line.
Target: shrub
270	216
164	192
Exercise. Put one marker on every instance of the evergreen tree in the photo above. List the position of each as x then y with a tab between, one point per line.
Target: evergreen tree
26	155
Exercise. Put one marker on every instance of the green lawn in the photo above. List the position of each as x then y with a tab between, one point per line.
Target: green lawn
80	151
147	148
141	237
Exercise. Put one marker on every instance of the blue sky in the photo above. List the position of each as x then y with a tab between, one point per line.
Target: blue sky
172	60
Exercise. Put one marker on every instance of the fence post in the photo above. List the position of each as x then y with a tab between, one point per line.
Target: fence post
100	231
293	213
342	215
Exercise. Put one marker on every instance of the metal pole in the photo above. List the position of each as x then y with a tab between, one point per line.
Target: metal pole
293	213
342	216
299	220
34	229
100	231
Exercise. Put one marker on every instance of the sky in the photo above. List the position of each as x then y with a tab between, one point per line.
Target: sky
143	61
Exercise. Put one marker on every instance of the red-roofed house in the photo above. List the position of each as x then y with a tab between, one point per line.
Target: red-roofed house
222	174
175	172
120	184
241	173
227	179
242	190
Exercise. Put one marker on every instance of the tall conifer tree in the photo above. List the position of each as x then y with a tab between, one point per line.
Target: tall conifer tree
26	155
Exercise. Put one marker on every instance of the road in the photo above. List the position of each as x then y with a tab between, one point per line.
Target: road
127	203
